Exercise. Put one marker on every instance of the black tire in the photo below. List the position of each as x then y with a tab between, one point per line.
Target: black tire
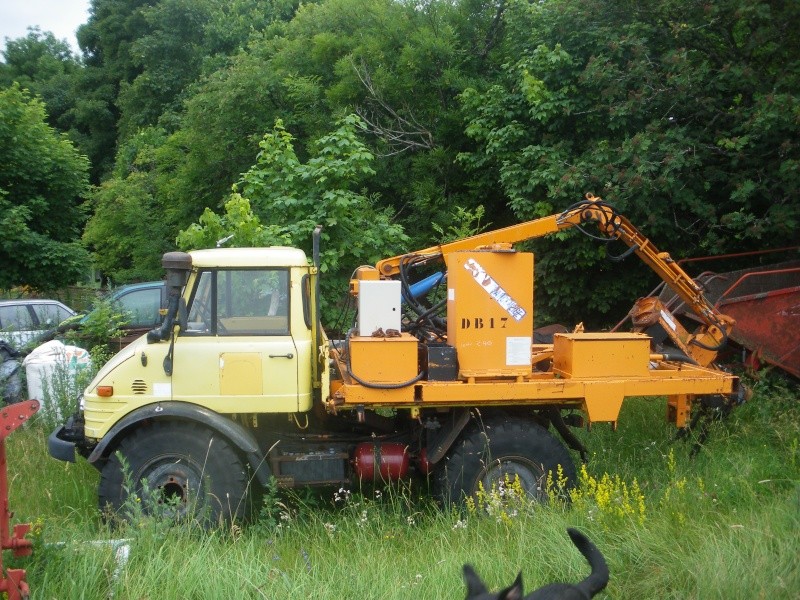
191	472
503	446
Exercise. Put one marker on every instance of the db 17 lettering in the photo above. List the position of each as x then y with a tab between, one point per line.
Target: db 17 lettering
481	323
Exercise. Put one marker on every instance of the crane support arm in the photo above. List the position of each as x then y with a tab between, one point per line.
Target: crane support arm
701	346
389	267
616	226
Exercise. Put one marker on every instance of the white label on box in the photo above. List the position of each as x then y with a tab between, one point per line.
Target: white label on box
518	351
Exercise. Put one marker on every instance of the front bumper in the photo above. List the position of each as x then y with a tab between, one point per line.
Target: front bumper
65	439
60	448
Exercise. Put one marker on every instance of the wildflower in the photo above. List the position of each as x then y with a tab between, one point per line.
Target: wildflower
460	524
378	495
330	527
410	520
342	495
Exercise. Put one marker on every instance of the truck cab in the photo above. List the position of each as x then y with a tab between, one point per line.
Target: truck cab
245	344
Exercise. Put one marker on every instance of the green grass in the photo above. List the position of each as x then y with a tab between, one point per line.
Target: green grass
725	524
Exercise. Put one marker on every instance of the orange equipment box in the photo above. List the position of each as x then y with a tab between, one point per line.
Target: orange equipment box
384	359
490	312
593	355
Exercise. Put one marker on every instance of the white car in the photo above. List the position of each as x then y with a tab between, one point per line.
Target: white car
25	322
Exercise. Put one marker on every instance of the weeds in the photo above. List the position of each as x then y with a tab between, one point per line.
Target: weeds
608	499
101	325
65	380
721	525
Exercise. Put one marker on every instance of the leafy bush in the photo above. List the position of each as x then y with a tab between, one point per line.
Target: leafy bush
102	324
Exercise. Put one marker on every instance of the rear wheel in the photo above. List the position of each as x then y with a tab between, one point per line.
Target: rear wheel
505	450
178	470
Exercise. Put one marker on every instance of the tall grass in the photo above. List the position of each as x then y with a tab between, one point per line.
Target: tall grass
725	524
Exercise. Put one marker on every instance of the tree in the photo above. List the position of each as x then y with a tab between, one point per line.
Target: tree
682	114
238	227
170	56
105	41
400	67
35	58
298	196
42	182
292	198
129	228
45	66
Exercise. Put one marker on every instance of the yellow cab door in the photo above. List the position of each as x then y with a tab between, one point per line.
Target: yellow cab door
237	353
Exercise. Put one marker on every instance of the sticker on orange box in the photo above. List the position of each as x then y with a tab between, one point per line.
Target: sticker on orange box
494	290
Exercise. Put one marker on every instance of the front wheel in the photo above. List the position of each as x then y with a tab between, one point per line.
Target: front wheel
505	450
175	469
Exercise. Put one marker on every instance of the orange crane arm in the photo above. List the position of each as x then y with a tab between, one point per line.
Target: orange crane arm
508	235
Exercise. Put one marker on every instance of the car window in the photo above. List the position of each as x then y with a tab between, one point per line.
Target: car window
241	302
50	315
16	317
142	307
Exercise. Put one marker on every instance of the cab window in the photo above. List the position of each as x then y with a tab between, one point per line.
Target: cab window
240	302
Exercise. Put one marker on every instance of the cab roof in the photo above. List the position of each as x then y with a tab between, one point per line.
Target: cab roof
273	256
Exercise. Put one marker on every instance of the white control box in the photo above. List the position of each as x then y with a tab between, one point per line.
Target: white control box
378	306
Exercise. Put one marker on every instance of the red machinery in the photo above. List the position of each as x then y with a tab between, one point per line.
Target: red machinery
764	300
13	582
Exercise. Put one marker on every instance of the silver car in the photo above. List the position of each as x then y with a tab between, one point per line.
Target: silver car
25	322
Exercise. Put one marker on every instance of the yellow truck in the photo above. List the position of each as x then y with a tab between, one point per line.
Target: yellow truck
442	374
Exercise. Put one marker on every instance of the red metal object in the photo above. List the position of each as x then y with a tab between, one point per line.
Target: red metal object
767	323
764	301
13	584
386	461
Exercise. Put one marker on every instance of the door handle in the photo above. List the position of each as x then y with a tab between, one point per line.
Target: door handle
290	355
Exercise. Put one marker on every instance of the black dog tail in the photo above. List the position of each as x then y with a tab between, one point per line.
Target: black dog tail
598	579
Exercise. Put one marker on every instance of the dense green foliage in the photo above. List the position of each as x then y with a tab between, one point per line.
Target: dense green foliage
47	68
129	227
296	196
42	180
681	113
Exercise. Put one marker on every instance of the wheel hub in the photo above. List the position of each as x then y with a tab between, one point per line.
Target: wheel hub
174	484
505	472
